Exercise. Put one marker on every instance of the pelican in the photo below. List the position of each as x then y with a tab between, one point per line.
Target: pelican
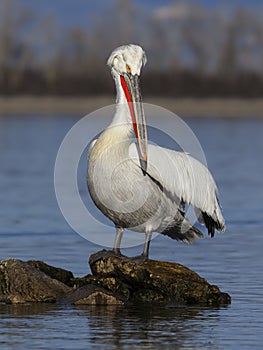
140	186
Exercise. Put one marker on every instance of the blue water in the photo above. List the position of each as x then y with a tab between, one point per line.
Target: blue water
32	227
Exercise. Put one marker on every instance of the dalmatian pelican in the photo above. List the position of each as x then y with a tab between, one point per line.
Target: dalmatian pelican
140	186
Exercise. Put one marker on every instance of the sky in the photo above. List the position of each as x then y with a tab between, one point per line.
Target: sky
82	12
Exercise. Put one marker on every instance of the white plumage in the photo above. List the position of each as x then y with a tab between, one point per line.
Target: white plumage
186	178
141	186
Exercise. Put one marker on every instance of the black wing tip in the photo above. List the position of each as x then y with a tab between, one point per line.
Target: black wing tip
188	236
211	224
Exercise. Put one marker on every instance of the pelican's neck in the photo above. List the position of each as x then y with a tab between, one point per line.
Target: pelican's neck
114	142
122	116
120	96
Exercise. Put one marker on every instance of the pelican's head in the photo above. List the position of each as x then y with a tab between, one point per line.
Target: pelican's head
127	59
126	63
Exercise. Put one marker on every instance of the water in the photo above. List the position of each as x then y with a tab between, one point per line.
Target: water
32	227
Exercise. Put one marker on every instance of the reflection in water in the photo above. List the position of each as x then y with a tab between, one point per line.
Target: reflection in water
26	310
112	327
144	326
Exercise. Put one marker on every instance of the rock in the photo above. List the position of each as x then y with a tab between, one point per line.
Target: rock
116	280
91	295
154	281
57	273
21	283
36	281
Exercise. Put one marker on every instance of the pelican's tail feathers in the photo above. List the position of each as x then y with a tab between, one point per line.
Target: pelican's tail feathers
182	230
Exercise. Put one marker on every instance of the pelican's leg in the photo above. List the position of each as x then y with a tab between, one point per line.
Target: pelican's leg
148	236
118	238
145	254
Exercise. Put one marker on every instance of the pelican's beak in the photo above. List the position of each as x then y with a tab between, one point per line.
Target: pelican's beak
131	88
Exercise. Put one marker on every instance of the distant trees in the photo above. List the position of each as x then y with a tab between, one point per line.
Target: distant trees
16	50
191	50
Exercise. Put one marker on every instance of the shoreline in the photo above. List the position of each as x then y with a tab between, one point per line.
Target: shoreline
185	107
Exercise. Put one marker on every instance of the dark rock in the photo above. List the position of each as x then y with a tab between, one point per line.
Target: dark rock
78	282
154	281
57	273
22	283
91	295
116	280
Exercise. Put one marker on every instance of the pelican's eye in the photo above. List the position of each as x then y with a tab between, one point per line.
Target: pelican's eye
128	69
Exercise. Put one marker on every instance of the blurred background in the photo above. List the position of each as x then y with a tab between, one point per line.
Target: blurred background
195	48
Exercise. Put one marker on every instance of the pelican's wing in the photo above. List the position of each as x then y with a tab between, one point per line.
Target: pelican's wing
188	180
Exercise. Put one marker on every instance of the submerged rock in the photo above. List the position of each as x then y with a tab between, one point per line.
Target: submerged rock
116	280
91	295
